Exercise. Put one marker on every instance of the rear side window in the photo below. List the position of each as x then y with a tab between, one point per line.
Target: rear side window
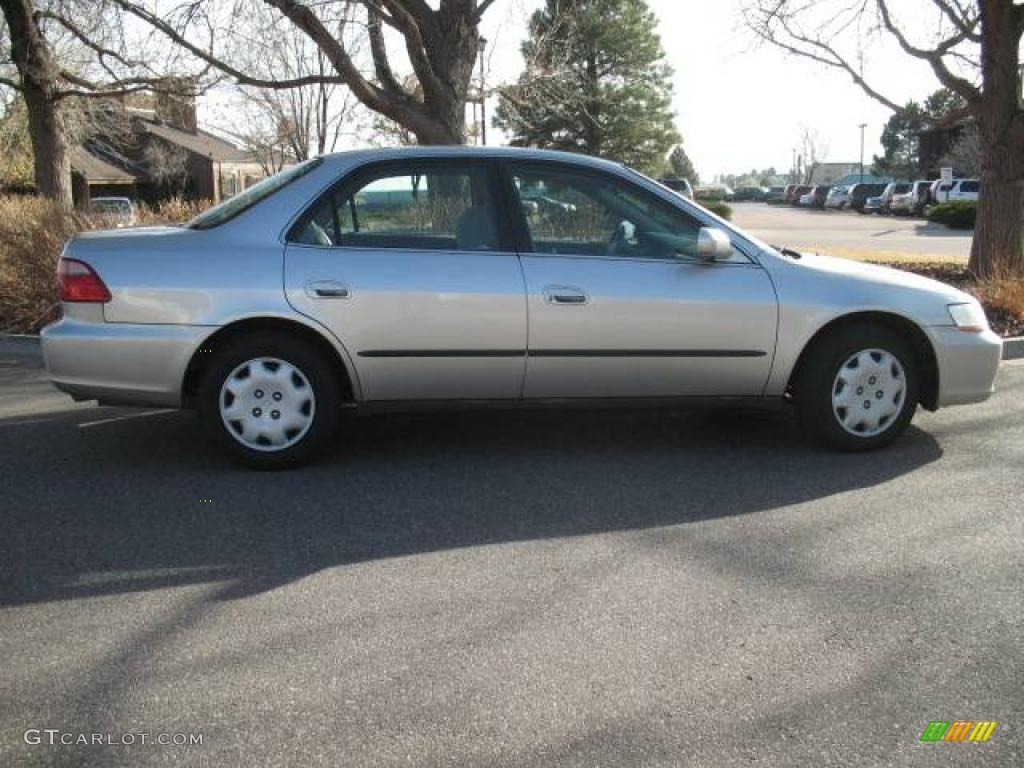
969	186
238	204
430	207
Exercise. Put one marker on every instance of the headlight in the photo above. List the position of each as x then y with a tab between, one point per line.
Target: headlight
969	317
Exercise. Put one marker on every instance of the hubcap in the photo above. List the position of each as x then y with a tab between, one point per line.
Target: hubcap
243	404
869	392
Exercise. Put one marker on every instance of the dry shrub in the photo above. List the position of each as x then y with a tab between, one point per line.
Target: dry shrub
32	233
1003	295
175	210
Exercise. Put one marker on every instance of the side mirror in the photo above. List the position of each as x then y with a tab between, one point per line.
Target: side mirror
713	244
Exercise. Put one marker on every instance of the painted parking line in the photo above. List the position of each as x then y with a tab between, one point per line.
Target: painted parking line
112	419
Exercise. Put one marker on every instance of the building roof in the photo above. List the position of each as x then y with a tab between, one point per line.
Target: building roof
97	170
201	143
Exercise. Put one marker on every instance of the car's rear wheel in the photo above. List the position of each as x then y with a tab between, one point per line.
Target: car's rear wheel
857	390
270	401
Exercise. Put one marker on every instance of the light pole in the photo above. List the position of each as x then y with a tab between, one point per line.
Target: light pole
483	94
862	127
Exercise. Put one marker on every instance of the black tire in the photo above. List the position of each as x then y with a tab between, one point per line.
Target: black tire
817	382
322	409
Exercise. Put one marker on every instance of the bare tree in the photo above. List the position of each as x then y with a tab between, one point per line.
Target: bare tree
973	53
65	52
440	44
166	164
280	125
813	149
966	152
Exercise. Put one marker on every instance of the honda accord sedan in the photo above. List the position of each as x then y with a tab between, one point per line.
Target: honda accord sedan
434	276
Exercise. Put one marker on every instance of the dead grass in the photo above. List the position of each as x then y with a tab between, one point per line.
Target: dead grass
1003	296
176	210
32	233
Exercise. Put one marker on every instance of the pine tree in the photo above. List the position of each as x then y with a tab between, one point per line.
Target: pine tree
680	166
596	81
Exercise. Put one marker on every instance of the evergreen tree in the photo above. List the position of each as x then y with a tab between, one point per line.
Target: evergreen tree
596	81
901	135
680	166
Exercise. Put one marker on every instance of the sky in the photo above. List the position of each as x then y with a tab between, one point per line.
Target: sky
740	105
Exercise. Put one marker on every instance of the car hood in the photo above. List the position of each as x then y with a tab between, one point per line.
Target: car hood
861	272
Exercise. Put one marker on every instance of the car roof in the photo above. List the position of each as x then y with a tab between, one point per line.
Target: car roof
450	151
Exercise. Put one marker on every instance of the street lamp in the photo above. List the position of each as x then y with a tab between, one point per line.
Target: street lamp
483	94
862	127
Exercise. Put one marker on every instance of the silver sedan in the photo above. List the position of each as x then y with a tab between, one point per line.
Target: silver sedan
439	275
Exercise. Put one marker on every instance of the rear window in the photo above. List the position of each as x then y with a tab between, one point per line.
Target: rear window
238	204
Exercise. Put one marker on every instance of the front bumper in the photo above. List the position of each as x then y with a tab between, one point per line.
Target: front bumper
120	363
967	362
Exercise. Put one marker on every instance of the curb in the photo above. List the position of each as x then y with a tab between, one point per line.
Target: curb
1013	349
20	344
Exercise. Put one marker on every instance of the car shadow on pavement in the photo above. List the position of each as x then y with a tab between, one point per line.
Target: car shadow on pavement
147	503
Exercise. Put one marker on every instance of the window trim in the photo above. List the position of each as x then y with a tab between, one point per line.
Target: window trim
368	172
524	242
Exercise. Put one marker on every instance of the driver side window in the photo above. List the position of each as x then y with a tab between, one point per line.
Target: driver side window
583	214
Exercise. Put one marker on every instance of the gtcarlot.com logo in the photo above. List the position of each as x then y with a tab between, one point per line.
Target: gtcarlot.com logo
958	730
56	737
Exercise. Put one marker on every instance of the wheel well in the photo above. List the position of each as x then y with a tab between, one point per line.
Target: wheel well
924	353
222	336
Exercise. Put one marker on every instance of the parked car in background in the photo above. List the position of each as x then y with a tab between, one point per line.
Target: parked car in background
118	212
859	193
682	186
799	192
749	193
789	194
714	192
295	299
872	205
913	200
961	188
775	194
892	189
815	198
838	198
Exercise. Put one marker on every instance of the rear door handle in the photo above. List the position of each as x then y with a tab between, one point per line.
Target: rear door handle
565	294
327	289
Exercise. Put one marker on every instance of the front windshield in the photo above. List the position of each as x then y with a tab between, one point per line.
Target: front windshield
232	207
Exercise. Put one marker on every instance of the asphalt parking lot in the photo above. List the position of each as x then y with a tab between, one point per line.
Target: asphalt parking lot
853	235
527	589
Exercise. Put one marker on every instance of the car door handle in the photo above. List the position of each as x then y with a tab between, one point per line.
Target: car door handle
565	294
327	289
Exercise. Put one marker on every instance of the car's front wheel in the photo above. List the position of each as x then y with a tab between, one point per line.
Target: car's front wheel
270	401
857	389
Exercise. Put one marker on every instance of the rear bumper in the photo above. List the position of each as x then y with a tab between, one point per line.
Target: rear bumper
968	363
120	363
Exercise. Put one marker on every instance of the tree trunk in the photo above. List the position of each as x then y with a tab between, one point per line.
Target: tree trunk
997	250
38	73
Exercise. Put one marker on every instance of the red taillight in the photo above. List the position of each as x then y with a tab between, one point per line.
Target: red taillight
77	281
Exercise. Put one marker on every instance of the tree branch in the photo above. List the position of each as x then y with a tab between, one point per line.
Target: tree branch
482	9
957	84
966	26
240	77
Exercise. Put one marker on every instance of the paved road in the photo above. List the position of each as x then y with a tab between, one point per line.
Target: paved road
845	233
528	589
